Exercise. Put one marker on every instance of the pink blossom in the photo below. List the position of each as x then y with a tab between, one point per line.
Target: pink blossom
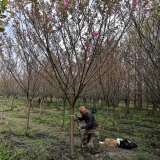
95	34
50	18
110	39
146	11
88	46
88	53
61	24
134	3
66	4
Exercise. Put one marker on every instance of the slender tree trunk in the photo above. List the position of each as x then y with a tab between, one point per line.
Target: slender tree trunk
64	111
72	130
51	99
40	106
135	91
135	99
139	83
139	94
84	100
28	115
12	102
107	101
56	102
127	98
127	104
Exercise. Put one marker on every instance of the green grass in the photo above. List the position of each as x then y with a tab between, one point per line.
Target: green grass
4	152
48	138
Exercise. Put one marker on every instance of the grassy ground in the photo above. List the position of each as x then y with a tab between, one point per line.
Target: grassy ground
48	139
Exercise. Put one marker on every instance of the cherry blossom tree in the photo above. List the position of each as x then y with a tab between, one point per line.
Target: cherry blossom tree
71	36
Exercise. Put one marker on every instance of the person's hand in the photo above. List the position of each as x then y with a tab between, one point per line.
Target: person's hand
82	127
75	118
79	128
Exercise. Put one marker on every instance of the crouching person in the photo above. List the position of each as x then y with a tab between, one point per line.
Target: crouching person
89	135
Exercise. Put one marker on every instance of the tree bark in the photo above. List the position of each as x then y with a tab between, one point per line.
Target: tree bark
28	116
72	131
127	98
139	94
40	106
12	103
64	111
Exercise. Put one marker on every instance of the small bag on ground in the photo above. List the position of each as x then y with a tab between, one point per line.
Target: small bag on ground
126	144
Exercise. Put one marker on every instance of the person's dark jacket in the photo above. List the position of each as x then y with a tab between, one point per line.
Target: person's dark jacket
89	119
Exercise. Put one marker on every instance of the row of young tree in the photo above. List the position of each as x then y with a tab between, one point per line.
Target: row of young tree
100	50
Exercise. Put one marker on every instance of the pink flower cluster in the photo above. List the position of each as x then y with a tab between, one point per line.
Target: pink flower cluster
66	4
95	34
134	3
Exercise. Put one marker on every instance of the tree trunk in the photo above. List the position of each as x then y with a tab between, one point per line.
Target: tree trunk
56	102
40	106
72	131
28	116
139	94
135	99
139	83
84	100
127	102
64	111
51	99
12	102
127	98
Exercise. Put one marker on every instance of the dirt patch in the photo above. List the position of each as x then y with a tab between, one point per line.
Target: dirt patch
41	146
